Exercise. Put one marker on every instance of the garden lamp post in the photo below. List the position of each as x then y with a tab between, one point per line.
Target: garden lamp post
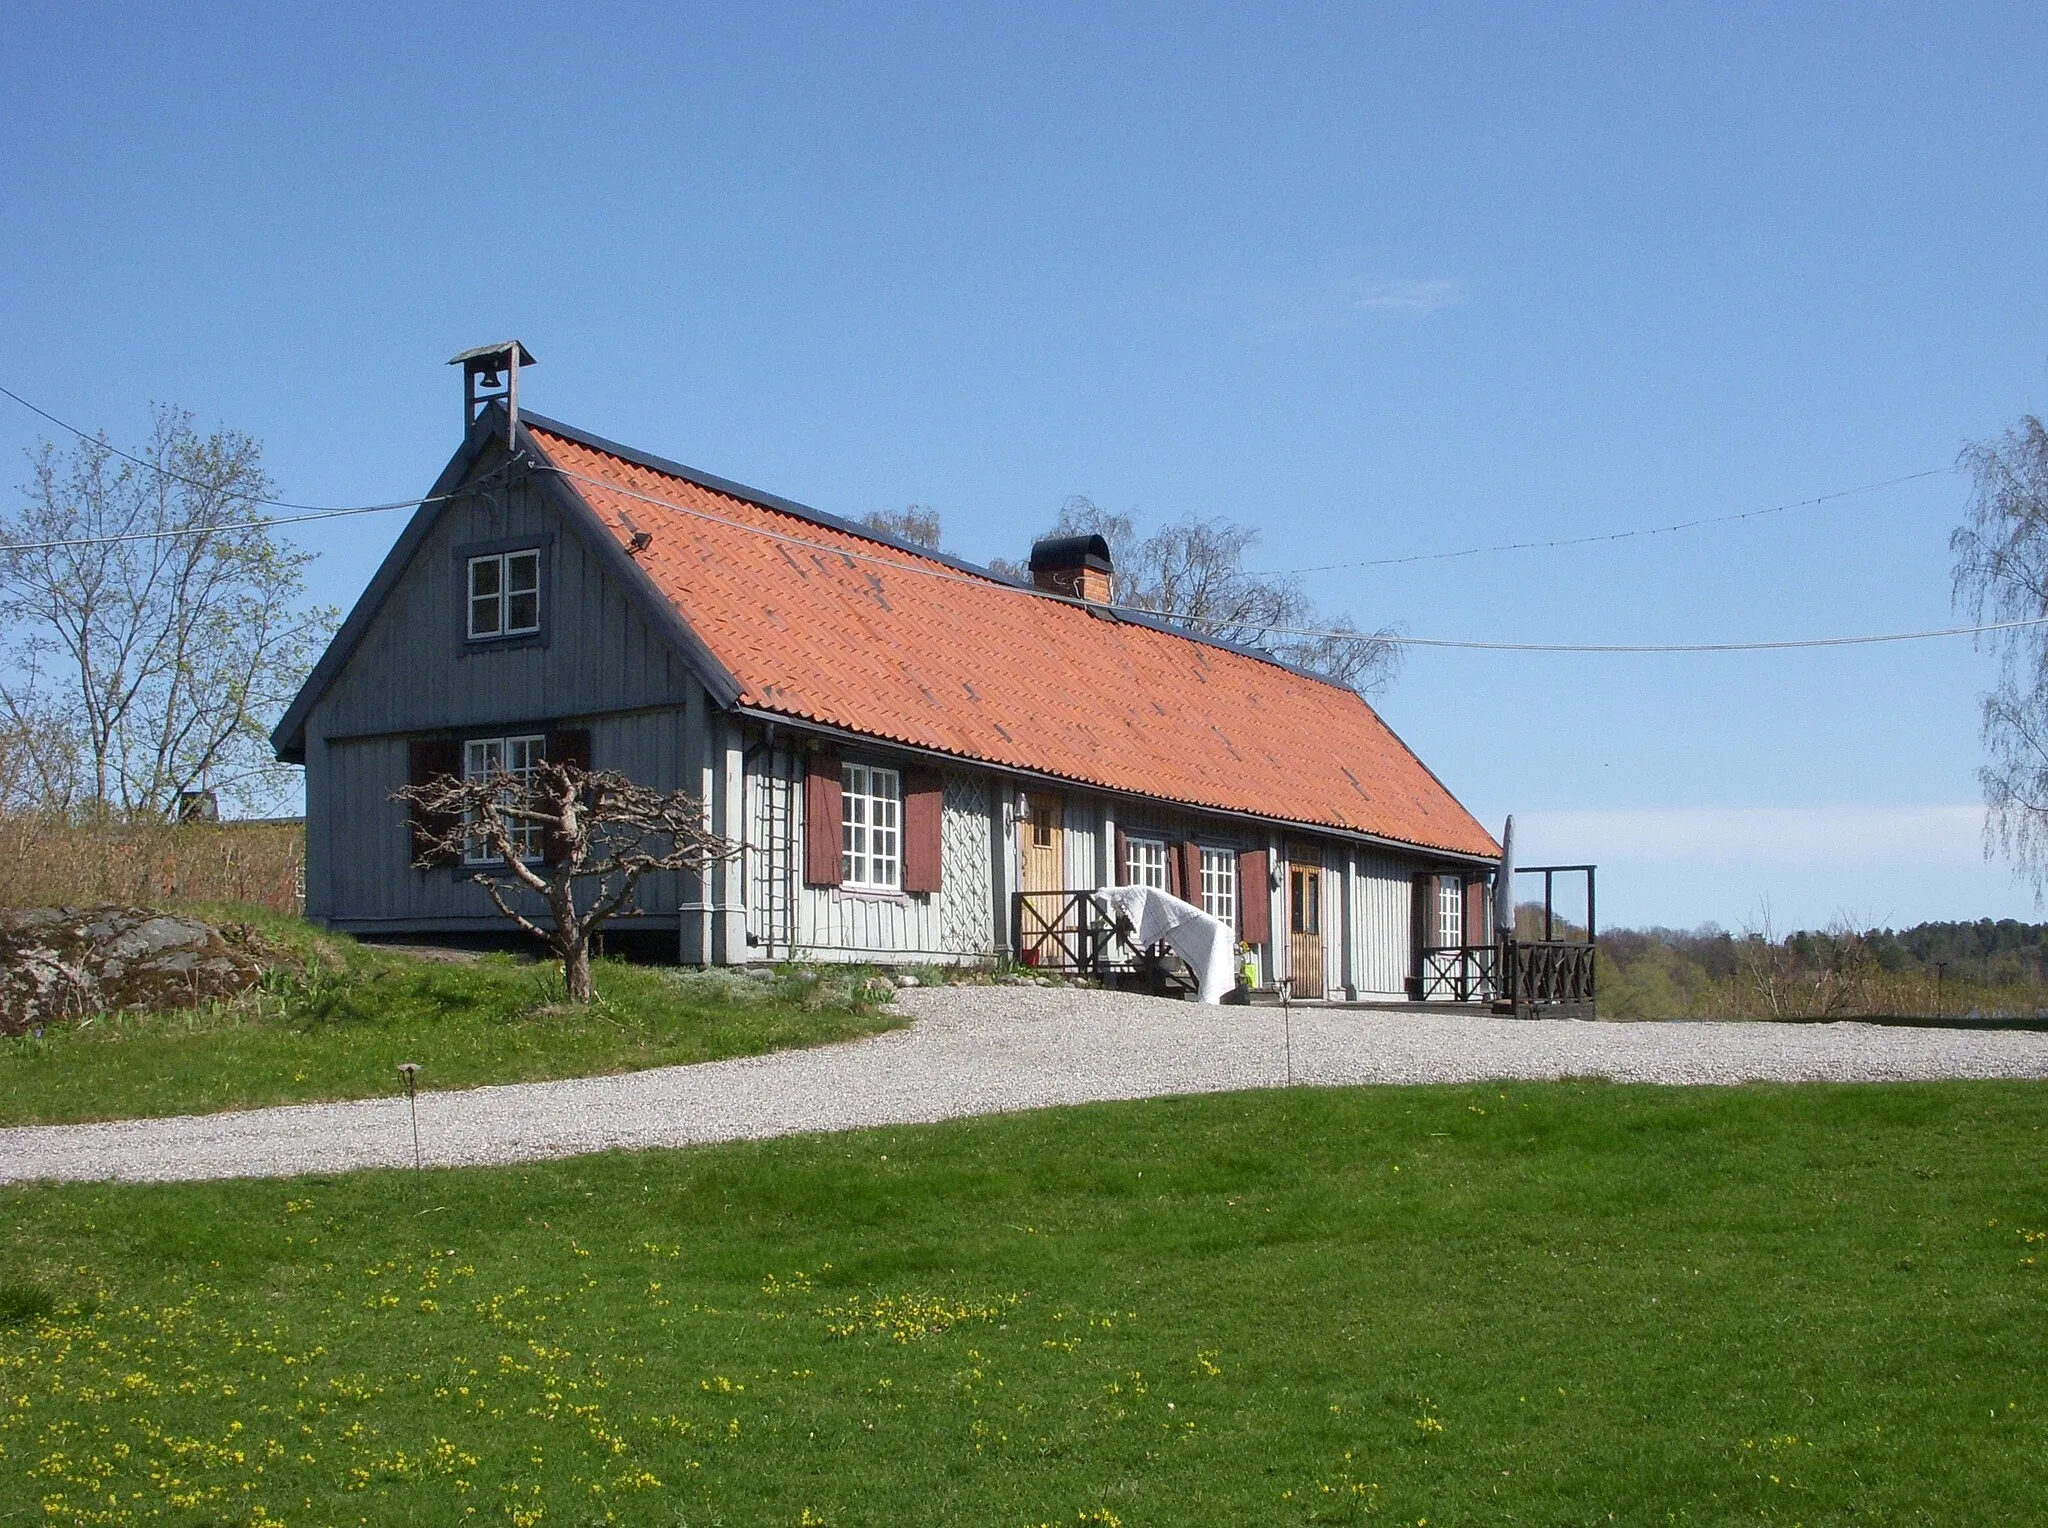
411	1072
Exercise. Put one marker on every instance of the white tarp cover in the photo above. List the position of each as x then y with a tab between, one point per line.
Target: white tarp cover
1204	942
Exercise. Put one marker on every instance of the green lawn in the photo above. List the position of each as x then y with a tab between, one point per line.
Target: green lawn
1532	1304
338	1027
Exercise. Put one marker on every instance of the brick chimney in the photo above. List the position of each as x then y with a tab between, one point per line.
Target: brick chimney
1076	566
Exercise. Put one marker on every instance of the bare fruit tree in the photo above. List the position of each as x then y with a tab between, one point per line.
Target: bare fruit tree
156	626
577	839
2001	574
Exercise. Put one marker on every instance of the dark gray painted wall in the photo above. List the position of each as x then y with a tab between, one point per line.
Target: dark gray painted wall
599	666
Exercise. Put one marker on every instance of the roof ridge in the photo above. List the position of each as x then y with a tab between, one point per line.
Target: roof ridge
737	490
732	488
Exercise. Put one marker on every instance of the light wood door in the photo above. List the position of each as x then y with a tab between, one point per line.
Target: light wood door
1305	929
1044	844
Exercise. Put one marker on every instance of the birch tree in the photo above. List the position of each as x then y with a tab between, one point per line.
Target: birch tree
158	626
2001	574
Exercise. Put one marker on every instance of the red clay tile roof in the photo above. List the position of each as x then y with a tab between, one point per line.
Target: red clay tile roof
913	650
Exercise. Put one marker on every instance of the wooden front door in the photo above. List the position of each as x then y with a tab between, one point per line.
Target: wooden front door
1043	853
1305	929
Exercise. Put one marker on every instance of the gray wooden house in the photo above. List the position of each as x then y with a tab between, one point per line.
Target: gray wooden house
924	761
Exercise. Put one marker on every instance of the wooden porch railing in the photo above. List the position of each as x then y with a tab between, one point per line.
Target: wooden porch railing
1071	932
1547	979
1460	973
1530	978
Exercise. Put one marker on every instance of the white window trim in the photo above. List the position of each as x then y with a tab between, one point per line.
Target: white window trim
503	597
1220	866
1450	912
871	835
474	851
1139	864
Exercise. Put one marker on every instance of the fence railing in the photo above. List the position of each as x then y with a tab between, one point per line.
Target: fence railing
1072	933
1460	973
1533	978
1547	978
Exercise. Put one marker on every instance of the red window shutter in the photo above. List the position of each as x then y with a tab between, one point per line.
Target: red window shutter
430	758
924	801
1121	870
1190	871
569	746
1425	914
1254	898
1173	883
1475	911
823	837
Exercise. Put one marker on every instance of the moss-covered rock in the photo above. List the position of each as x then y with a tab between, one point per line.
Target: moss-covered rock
59	964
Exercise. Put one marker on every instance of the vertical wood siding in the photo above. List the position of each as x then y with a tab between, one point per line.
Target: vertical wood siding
1384	888
368	880
955	924
414	673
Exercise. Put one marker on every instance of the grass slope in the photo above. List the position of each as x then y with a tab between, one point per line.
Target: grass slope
339	1027
1538	1304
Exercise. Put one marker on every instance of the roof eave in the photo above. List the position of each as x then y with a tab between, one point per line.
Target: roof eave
817	728
288	738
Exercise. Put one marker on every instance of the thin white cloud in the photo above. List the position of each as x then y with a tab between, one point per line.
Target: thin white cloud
1342	304
1802	838
1417	298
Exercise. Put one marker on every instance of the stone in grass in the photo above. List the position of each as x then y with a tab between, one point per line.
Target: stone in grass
907	980
60	964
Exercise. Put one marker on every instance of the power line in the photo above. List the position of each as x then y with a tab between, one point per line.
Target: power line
312	511
949	576
1671	647
992	581
1655	530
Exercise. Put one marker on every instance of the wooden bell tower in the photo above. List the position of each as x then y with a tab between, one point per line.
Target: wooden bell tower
490	374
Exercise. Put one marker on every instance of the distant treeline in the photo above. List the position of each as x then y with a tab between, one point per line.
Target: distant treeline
1990	967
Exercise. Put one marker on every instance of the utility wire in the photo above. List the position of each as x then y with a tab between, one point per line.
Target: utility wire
1655	530
1675	647
312	511
318	512
947	575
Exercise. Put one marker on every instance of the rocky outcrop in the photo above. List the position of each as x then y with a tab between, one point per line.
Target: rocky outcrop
59	964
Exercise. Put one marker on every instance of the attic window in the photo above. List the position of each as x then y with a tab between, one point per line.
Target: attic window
504	594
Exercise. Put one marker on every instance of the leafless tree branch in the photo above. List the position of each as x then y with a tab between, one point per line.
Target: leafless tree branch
601	832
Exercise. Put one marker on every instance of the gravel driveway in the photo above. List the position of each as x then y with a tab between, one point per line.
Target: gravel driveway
987	1050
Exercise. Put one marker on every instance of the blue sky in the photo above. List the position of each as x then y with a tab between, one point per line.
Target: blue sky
1378	282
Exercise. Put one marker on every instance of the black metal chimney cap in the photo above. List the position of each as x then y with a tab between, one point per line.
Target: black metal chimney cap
1056	554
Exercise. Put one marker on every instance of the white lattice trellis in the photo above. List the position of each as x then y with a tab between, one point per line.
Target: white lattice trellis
967	919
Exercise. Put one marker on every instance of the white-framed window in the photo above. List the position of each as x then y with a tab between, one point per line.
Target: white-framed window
482	756
1219	885
1450	911
871	827
1145	862
504	594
